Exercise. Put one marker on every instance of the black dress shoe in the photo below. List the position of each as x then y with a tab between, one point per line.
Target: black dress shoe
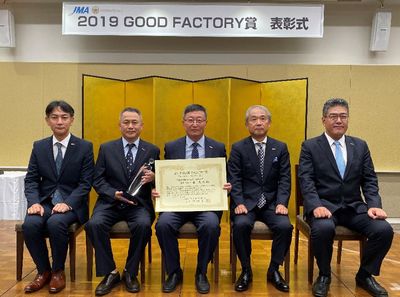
202	284
320	287
172	281
108	282
244	280
370	285
278	281
131	282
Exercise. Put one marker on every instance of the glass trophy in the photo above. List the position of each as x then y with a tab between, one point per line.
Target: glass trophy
137	183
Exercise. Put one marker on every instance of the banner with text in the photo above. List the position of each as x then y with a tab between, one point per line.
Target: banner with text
242	20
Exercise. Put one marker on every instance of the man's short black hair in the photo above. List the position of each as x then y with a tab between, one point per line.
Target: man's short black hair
194	107
64	106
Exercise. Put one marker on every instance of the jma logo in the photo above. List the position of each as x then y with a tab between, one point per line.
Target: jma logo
81	10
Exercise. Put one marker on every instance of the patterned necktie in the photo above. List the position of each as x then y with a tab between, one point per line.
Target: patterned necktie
195	151
339	158
129	159
57	197
260	153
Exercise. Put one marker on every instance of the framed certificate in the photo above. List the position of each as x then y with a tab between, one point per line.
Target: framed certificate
191	184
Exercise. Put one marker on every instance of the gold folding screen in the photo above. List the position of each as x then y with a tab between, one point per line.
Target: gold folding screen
162	100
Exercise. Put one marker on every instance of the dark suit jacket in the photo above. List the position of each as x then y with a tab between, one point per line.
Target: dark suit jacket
75	178
322	185
111	173
177	149
245	176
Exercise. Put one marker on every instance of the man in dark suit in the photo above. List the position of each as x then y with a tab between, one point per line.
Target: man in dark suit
259	171
333	168
57	186
117	164
193	145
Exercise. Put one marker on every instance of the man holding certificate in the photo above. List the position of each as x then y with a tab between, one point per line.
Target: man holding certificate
192	146
117	165
259	171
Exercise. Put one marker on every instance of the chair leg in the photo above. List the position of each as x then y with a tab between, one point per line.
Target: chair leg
20	254
216	263
362	244
339	252
233	261
72	255
162	268
89	258
287	266
310	263
149	251
143	267
296	245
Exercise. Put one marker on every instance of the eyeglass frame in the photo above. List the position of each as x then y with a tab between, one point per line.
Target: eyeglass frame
335	116
191	121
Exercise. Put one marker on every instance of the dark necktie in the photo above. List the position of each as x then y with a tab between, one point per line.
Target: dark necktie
57	197
195	151
339	158
260	153
129	159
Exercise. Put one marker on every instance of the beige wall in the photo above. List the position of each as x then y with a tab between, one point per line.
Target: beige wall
373	93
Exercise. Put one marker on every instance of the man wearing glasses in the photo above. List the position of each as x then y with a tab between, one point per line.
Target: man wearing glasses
333	168
192	146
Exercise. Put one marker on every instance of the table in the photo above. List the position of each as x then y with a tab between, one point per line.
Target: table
12	198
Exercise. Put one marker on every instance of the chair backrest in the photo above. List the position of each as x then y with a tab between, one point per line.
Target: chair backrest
298	197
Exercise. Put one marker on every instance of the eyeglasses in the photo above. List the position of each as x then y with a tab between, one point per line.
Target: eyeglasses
336	116
191	121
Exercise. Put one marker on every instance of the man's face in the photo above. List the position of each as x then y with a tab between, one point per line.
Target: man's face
131	125
258	123
59	122
194	123
336	121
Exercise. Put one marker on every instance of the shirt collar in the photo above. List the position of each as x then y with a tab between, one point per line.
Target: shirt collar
264	140
64	142
201	141
331	140
125	142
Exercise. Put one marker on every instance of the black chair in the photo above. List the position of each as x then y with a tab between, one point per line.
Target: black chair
73	231
341	233
259	232
188	231
118	230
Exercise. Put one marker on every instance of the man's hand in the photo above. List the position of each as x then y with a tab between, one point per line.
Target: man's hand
148	176
377	213
240	209
228	187
321	212
60	208
281	209
154	194
36	209
118	196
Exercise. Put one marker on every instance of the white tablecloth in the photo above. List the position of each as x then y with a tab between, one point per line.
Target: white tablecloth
12	198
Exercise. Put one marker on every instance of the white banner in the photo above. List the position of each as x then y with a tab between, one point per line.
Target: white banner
242	20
